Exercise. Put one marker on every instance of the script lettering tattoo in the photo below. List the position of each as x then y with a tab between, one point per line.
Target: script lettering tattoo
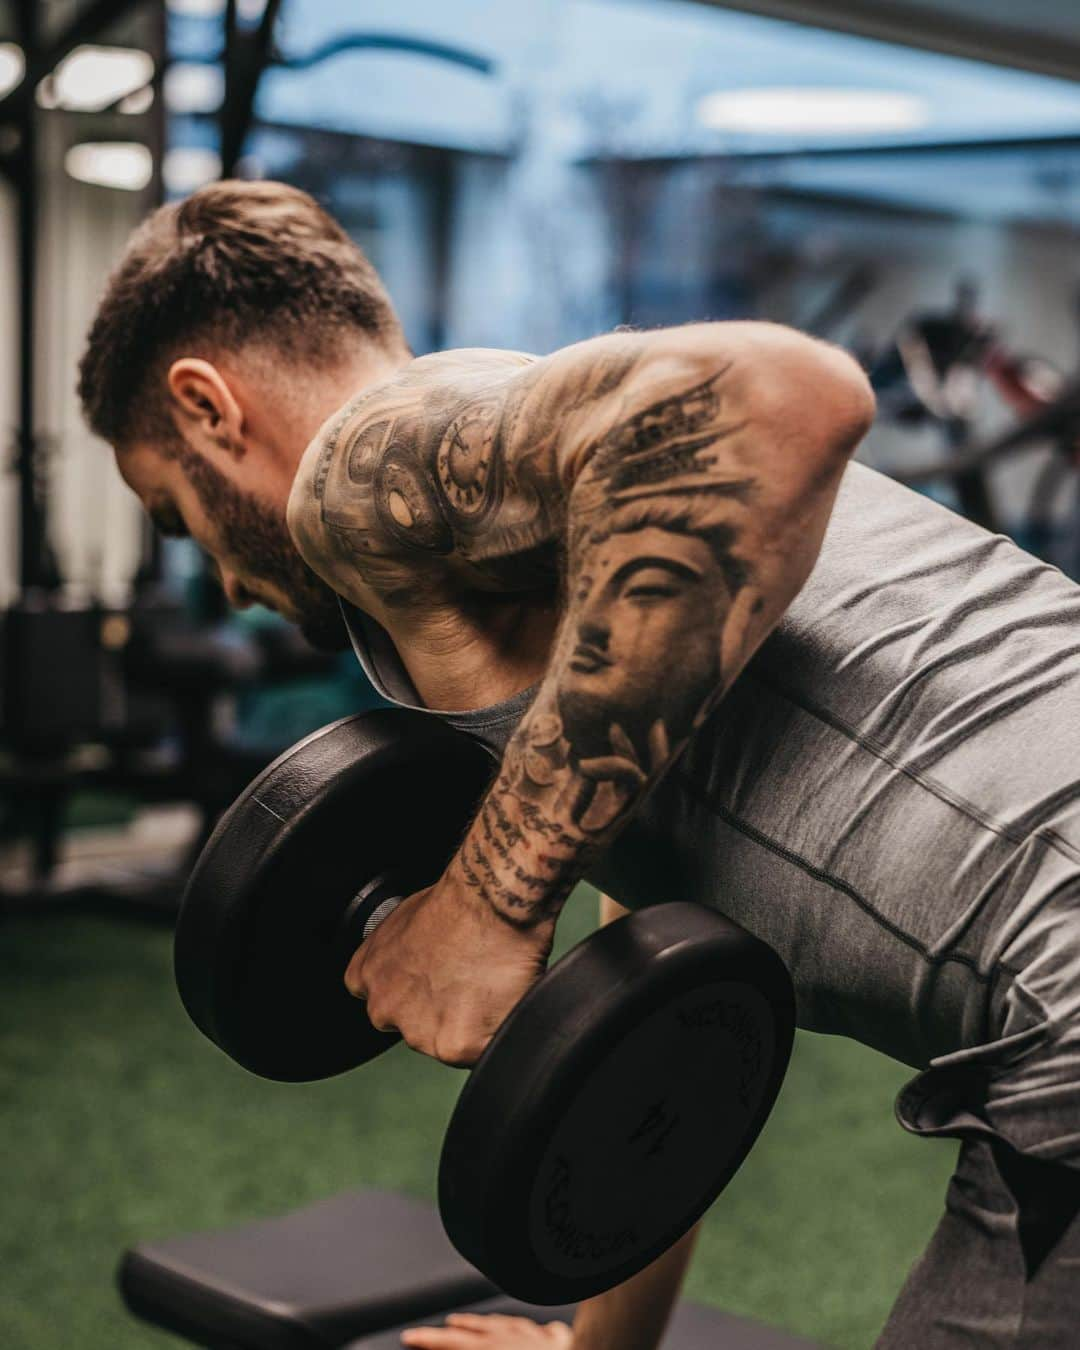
452	483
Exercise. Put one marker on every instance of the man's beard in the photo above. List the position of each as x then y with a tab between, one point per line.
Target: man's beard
258	540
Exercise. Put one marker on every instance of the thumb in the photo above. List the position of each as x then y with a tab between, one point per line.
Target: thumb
355	982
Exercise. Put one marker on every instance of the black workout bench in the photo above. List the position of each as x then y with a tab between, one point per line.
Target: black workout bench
348	1274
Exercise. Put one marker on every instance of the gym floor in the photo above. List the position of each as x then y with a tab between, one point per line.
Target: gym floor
120	1123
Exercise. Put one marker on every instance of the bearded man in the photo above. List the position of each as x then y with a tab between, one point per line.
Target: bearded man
716	661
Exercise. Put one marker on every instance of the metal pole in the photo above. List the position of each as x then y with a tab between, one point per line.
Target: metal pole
32	546
440	174
247	55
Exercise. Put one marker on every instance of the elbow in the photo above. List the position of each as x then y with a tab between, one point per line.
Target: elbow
847	398
814	397
804	392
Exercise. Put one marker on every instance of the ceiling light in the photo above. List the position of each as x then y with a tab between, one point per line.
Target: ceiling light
114	164
812	111
142	100
12	67
187	168
196	9
192	87
93	78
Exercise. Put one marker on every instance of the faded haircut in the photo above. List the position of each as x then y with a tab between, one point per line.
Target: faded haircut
236	264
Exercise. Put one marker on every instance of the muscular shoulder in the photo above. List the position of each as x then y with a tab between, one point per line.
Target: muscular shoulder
410	479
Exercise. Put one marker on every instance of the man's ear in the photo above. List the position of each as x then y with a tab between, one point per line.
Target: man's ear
204	407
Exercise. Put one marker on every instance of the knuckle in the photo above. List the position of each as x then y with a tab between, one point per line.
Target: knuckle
379	1017
458	1052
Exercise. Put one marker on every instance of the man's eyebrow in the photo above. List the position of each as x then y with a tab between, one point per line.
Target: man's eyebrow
627	570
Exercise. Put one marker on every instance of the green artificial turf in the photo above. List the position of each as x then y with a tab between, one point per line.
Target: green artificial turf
119	1123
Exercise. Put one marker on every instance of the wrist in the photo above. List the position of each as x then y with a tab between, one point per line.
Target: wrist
479	892
587	1332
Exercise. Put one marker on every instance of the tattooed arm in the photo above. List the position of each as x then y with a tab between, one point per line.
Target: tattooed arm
632	1316
686	476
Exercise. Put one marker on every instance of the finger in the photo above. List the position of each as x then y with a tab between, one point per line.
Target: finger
488	1321
456	1052
380	1020
440	1338
621	742
354	976
612	768
659	749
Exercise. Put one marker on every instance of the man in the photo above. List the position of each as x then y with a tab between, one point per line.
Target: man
606	563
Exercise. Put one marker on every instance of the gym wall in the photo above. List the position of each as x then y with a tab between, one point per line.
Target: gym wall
94	523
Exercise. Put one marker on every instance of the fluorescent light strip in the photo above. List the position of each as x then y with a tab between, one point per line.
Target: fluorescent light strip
91	79
126	165
12	67
812	111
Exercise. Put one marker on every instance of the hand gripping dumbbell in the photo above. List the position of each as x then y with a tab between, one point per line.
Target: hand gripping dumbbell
613	1104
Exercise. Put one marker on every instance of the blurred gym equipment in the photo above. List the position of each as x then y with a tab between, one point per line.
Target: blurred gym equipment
932	372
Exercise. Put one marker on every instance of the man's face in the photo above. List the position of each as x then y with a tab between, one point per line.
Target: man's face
646	645
245	536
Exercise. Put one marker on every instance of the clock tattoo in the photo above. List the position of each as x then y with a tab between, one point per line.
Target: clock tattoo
467	463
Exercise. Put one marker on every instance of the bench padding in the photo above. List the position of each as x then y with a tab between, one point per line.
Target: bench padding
310	1280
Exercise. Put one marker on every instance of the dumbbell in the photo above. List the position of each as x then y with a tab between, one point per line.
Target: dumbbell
616	1100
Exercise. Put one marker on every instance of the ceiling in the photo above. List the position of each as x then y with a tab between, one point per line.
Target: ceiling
624	78
1040	35
672	46
54	16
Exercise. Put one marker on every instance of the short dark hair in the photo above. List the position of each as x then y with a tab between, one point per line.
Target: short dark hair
235	263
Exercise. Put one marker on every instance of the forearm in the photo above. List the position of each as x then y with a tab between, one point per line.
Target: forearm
697	496
633	1315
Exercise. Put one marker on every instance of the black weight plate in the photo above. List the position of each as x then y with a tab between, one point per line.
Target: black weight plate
258	954
615	1103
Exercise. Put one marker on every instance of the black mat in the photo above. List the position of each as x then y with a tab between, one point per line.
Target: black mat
311	1280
